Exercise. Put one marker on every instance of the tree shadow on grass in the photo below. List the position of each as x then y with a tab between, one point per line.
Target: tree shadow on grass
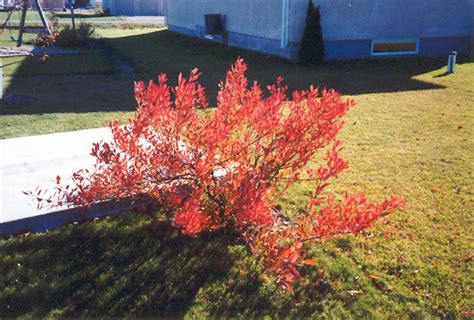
126	265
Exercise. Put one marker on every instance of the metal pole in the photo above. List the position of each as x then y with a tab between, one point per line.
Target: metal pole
43	19
284	24
22	23
72	17
1	78
452	62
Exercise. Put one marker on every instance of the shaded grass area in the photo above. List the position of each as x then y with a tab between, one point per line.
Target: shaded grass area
87	61
63	93
164	51
132	265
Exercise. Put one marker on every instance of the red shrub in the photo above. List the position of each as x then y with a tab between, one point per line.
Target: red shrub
223	168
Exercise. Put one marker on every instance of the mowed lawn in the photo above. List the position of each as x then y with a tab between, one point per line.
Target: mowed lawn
62	93
411	134
63	17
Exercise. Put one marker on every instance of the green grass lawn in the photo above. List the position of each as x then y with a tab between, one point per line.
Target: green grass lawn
30	15
411	134
8	38
69	92
65	92
86	15
65	17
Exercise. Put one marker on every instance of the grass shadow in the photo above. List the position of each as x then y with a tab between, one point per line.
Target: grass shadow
128	265
171	53
133	265
74	83
443	74
80	15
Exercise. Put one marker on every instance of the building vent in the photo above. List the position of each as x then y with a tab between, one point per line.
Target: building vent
214	24
380	48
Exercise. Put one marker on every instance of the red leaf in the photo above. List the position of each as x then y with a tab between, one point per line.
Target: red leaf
309	261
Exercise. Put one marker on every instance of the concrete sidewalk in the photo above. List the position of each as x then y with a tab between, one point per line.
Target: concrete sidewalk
141	19
29	162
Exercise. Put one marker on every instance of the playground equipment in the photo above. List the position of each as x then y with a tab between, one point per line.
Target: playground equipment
21	6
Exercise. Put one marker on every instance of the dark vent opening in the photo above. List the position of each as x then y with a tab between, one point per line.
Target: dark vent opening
394	47
214	24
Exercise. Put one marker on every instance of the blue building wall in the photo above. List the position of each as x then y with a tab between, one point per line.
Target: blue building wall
134	7
349	26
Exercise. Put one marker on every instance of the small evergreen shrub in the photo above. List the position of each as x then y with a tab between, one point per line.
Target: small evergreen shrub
84	32
312	44
68	37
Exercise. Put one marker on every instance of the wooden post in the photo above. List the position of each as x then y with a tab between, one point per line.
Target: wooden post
24	10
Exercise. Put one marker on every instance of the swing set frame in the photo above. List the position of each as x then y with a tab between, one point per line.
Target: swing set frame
22	6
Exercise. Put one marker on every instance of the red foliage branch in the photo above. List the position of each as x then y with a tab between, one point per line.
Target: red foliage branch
223	168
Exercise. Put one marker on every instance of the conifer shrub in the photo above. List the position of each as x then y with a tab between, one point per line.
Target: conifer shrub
69	37
312	44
